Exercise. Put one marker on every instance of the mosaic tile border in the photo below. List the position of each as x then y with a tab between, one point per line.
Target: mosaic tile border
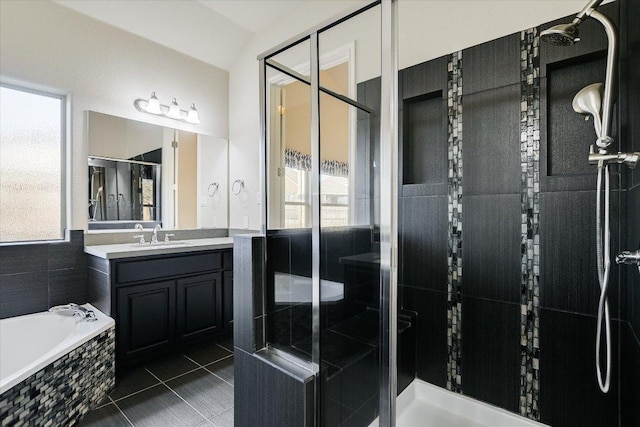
530	202
454	212
65	390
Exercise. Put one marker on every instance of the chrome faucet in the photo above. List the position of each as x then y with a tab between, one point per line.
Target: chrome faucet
154	237
76	309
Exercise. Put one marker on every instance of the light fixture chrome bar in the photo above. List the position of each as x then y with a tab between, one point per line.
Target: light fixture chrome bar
304	79
190	116
388	212
315	203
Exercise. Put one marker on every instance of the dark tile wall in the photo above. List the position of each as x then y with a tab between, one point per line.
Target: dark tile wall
569	291
569	393
630	132
34	277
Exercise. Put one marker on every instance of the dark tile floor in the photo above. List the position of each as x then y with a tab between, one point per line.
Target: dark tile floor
183	390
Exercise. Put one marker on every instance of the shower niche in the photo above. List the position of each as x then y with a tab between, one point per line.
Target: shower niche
124	190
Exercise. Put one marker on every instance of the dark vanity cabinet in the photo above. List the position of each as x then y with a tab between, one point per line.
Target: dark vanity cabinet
199	302
160	302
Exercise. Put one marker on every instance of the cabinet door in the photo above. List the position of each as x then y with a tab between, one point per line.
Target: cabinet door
146	318
199	306
227	294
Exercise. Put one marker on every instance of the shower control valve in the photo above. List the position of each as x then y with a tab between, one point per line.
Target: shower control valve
628	257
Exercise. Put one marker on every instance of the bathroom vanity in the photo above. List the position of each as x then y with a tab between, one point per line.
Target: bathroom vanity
163	296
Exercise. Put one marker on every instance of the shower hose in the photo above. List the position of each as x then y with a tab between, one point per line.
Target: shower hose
604	265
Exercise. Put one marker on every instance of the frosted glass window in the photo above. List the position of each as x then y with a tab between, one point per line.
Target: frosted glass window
31	147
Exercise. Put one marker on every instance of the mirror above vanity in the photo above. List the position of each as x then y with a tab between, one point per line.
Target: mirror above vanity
152	175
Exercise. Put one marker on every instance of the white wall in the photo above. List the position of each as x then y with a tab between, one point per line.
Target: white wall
428	29
103	69
212	168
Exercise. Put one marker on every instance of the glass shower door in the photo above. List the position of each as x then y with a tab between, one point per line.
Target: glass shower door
326	308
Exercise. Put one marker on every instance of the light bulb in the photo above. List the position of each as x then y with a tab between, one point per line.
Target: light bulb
153	106
192	116
174	110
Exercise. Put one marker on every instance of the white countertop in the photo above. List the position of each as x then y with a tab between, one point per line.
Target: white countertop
128	250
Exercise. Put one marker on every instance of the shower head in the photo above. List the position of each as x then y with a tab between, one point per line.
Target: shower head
592	99
561	35
567	34
589	102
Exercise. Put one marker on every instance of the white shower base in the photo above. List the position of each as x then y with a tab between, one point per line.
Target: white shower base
425	405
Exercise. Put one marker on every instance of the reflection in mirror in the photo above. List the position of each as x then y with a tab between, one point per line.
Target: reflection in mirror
143	173
124	190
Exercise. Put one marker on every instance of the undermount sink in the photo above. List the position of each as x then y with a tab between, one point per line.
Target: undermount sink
159	245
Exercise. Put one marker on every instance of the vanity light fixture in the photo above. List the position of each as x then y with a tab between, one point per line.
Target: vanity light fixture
153	106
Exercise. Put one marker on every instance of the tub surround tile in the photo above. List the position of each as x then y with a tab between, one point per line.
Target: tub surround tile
68	285
33	277
159	406
23	293
52	396
24	258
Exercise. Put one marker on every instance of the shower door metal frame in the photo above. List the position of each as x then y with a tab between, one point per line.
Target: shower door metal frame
388	190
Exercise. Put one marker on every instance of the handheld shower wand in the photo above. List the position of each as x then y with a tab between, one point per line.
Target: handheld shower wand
597	100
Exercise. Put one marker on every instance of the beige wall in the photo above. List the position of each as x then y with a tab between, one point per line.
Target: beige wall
334	116
187	180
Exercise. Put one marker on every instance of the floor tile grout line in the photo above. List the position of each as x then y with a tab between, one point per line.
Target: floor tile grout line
180	397
219	377
221	346
198	366
121	412
176	376
209	363
211	420
134	393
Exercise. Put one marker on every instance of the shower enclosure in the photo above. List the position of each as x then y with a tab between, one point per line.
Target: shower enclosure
427	254
328	218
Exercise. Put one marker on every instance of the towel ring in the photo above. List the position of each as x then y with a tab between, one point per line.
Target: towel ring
240	186
213	189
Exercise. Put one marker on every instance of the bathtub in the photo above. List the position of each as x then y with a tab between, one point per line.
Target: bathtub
425	405
54	368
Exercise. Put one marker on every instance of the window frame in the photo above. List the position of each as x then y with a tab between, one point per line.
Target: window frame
64	161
